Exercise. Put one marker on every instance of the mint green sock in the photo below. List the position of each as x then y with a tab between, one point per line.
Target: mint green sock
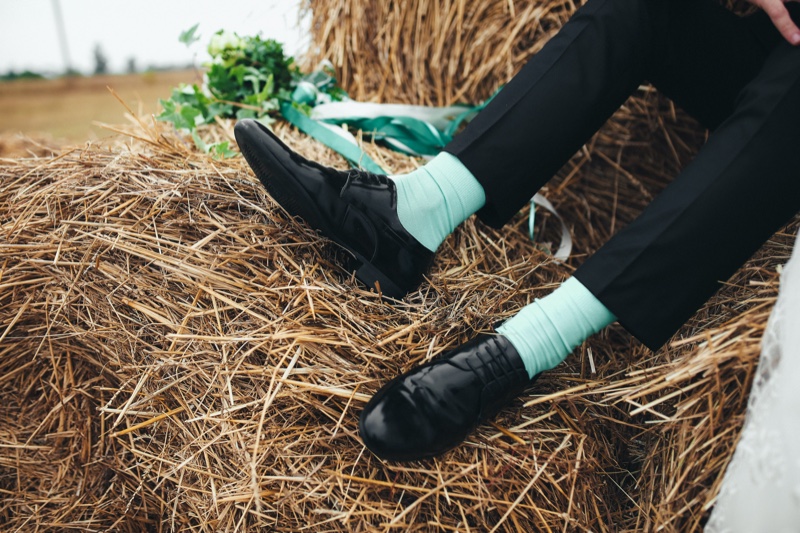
546	331
434	199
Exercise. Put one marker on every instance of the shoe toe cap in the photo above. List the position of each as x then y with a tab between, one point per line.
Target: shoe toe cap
382	429
245	131
393	427
257	140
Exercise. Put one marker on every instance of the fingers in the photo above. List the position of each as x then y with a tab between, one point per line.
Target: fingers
779	16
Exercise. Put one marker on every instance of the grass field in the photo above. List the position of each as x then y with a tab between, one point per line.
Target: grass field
64	109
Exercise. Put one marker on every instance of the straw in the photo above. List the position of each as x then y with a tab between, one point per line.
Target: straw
179	354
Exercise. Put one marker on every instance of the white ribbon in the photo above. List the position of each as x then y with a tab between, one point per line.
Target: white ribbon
439	117
565	246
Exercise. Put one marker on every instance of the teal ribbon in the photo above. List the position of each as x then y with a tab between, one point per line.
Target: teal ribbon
405	134
414	130
336	142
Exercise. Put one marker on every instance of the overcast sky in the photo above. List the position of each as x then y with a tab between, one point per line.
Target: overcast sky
147	30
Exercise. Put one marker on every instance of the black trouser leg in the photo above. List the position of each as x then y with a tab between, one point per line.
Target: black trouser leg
743	186
654	274
697	52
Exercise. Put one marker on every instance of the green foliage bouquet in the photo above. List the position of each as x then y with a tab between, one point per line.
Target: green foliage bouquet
247	77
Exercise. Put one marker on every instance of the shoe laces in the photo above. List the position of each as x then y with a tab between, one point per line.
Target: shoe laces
365	177
497	375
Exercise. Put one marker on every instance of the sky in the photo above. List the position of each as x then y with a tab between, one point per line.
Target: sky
147	30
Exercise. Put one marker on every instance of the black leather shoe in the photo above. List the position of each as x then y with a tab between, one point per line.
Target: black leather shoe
355	209
433	408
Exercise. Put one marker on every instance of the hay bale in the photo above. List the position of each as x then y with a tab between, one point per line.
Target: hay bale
433	52
179	354
17	146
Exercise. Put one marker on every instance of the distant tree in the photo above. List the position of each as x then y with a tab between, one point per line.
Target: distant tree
100	60
24	75
132	66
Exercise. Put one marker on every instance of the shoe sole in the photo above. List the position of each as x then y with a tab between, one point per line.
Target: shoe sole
295	201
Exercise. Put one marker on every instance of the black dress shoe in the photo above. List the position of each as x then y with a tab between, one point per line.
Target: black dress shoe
433	408
355	209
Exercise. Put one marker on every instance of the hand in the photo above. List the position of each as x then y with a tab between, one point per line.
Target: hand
779	15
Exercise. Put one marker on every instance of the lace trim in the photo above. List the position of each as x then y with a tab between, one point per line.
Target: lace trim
761	487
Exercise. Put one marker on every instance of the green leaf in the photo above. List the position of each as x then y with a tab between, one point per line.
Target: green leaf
199	143
192	116
175	113
245	113
188	37
221	150
223	84
219	109
167	115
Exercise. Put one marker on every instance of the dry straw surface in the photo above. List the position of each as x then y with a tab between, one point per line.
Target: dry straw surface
431	51
178	354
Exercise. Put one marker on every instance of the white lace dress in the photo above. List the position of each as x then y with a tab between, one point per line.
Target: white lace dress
761	488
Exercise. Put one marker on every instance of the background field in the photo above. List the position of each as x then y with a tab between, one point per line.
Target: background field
66	108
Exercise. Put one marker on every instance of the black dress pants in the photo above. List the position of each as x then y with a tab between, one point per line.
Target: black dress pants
735	75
